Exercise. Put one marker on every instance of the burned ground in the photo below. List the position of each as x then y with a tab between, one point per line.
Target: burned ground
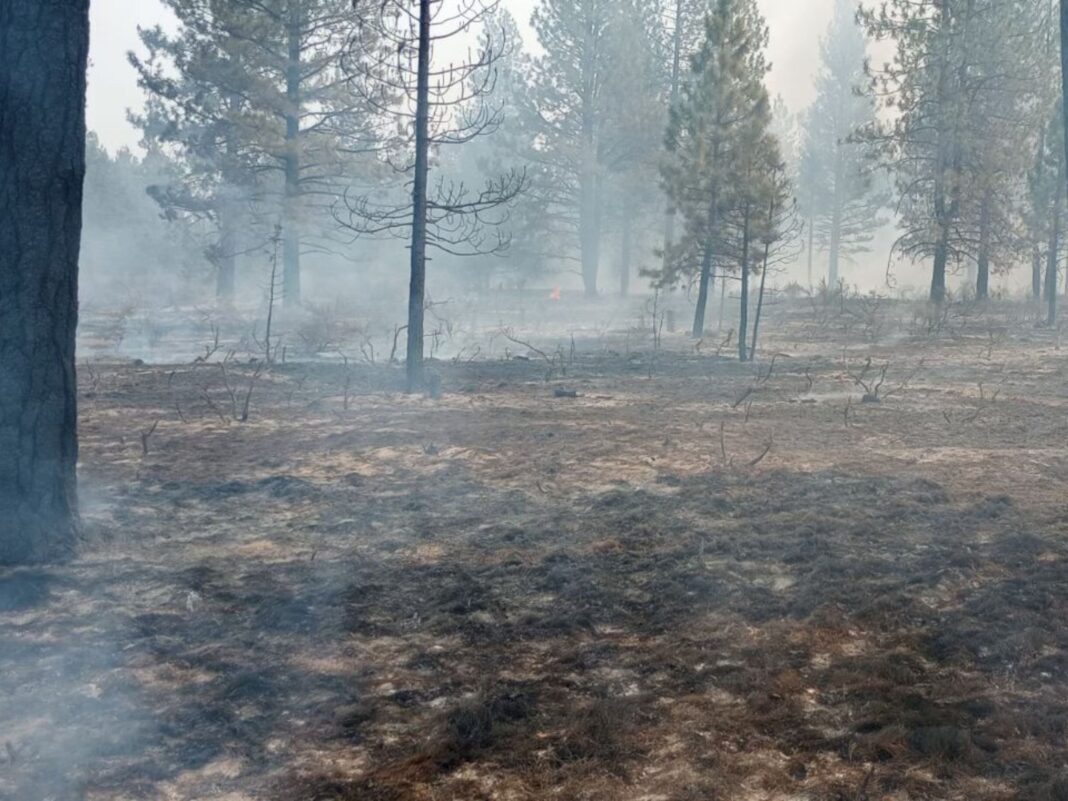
695	580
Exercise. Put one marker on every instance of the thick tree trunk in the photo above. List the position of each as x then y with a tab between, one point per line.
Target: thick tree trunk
44	46
982	279
291	235
417	285
626	249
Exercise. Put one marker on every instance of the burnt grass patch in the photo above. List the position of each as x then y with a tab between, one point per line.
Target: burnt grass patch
421	629
846	624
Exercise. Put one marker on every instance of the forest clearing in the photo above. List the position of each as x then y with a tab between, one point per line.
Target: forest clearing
695	579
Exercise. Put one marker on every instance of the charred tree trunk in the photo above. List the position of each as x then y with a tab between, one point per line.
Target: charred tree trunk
44	47
417	285
982	279
291	202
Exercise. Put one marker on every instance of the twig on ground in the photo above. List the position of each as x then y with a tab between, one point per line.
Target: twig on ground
145	435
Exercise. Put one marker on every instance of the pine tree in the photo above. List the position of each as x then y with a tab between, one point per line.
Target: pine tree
535	230
635	116
1043	141
685	23
1046	210
717	129
568	94
842	200
757	199
956	63
252	95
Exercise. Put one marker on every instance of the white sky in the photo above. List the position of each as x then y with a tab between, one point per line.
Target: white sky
796	27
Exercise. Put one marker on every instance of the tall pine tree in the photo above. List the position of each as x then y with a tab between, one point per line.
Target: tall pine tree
252	96
842	201
716	130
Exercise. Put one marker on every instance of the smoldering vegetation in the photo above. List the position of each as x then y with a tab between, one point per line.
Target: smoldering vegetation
682	578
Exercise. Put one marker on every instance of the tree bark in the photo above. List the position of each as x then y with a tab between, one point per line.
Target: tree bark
291	235
626	247
417	284
44	47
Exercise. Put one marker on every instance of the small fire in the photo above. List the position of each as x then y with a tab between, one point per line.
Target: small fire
554	293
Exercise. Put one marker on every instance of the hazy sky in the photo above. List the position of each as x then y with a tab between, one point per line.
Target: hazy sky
796	26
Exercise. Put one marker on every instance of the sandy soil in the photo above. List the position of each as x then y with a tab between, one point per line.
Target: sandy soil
696	580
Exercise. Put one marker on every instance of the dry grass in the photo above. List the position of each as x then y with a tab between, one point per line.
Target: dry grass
504	594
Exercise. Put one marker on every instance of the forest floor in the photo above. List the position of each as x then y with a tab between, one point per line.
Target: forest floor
696	580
